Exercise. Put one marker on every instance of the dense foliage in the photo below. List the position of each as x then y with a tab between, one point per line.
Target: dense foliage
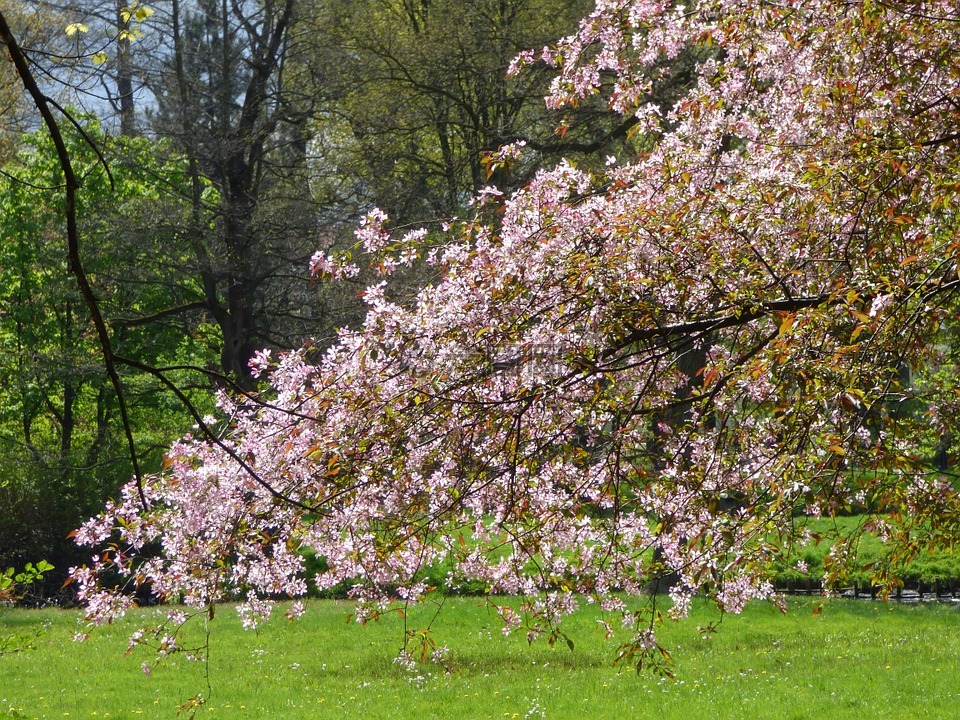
62	451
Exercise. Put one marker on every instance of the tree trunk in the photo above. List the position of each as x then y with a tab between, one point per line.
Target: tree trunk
125	73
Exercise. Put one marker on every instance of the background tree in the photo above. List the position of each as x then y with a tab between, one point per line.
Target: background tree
224	98
63	448
420	95
211	77
281	105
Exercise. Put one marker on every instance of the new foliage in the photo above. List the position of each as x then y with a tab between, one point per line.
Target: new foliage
657	369
62	451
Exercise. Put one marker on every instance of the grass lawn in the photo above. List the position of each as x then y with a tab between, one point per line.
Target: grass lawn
856	659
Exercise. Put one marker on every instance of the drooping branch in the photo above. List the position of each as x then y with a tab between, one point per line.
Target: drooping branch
210	435
71	185
744	316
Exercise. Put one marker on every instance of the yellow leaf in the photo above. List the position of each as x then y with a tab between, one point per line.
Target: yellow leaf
786	322
837	450
142	13
74	28
100	58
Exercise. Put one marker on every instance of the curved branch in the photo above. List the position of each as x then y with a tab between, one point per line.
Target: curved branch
71	185
210	435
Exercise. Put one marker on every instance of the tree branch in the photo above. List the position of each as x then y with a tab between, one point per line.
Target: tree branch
71	185
147	319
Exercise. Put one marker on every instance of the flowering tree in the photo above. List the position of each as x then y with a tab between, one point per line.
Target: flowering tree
659	368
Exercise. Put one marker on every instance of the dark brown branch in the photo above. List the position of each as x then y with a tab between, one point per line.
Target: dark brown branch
71	185
83	133
941	140
210	435
147	319
732	318
581	146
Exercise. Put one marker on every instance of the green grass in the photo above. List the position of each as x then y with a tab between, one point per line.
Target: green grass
857	659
